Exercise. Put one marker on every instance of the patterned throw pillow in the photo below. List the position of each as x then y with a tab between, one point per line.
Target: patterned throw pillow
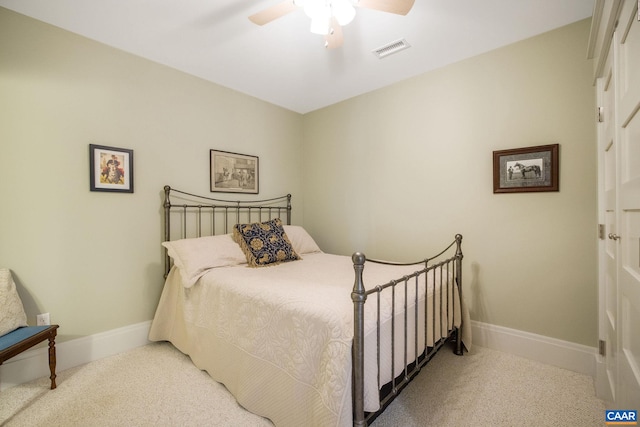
264	243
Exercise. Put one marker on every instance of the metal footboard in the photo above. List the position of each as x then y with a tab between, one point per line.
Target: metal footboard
441	273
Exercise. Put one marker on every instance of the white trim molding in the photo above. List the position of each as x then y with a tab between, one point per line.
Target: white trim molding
563	354
34	363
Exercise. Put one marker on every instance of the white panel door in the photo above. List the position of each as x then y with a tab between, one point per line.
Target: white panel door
608	295
628	117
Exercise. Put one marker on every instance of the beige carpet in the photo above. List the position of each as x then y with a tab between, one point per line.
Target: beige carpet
156	385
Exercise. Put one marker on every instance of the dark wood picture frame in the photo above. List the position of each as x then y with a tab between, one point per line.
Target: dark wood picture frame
233	172
110	169
528	169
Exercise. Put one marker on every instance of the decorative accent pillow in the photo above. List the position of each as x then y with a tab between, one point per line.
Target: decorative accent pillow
12	315
264	243
194	257
301	241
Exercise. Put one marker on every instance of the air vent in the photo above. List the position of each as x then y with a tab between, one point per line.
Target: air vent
390	48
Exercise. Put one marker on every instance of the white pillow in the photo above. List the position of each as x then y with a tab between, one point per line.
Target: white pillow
194	257
301	241
12	315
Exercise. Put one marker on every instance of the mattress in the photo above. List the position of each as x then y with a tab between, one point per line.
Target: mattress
280	337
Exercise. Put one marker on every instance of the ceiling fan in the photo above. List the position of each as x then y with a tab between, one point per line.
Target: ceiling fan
329	16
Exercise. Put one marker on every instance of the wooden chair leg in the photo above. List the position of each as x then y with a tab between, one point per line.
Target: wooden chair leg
52	359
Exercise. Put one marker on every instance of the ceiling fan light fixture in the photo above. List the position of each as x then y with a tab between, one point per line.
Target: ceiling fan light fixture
322	11
329	16
320	14
320	26
316	9
343	11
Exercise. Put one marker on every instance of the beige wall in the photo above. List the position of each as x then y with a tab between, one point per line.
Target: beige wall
394	173
398	172
93	260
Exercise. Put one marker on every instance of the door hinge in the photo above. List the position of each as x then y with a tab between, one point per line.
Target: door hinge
600	114
601	231
602	348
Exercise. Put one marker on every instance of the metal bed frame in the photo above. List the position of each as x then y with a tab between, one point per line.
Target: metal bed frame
359	297
214	216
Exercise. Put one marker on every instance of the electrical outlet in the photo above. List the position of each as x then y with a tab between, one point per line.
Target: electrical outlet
43	319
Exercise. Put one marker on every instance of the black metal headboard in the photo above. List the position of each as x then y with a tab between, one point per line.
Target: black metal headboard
188	215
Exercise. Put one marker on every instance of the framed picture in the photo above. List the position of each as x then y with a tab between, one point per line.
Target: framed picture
233	172
110	169
526	169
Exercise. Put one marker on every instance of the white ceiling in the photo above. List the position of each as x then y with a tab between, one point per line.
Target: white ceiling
282	62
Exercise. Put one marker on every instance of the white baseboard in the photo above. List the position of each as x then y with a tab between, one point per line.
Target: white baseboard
563	354
34	363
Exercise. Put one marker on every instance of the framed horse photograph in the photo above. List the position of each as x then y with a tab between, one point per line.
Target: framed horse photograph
528	169
233	172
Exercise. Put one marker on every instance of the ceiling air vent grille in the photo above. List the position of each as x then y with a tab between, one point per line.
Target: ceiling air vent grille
390	48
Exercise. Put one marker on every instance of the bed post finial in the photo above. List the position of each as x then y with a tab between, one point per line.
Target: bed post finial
359	297
288	209
459	244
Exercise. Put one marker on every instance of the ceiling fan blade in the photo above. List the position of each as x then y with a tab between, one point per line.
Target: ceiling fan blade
399	7
334	39
274	12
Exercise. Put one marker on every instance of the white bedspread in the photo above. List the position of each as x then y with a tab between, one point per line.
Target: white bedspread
279	337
